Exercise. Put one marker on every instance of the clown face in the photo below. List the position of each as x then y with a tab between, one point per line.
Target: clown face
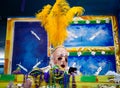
60	57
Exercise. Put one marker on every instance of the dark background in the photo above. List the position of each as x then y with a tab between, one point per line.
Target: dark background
30	7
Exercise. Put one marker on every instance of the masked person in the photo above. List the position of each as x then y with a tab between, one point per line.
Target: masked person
59	57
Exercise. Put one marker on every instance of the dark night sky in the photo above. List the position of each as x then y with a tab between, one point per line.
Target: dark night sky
30	7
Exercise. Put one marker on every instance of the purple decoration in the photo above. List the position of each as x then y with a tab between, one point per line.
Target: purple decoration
66	80
46	77
23	6
16	72
61	72
55	71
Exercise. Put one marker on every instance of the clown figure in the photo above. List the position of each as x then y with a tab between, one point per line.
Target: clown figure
59	57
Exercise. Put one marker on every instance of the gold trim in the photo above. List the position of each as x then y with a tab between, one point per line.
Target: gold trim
9	41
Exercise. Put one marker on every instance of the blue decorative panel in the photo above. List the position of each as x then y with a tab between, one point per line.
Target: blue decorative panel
89	64
29	46
90	35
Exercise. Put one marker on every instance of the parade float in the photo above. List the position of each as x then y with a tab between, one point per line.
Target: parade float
91	41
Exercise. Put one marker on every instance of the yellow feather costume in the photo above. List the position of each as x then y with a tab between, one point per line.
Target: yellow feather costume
56	18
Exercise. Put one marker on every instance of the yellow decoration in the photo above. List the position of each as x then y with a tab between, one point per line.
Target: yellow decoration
56	18
20	78
106	78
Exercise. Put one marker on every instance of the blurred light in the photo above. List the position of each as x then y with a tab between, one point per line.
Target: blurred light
103	52
93	53
75	22
79	53
1	54
107	20
98	21
2	61
87	21
68	53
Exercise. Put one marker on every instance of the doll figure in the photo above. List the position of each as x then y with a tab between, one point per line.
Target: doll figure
59	57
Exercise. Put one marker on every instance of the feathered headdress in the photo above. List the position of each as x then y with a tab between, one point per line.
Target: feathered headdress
56	18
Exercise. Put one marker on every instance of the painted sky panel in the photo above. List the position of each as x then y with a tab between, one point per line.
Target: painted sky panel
30	45
90	35
89	64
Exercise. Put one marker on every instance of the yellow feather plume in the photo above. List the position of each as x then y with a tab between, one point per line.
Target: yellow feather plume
43	14
56	19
